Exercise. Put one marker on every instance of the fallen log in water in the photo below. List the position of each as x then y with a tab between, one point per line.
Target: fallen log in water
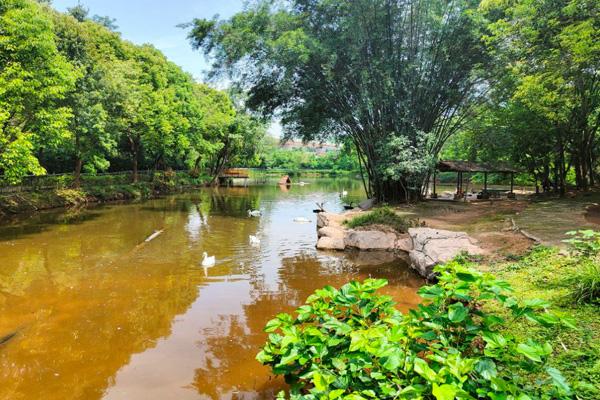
154	235
7	338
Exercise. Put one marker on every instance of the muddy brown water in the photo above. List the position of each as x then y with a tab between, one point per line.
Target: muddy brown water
97	313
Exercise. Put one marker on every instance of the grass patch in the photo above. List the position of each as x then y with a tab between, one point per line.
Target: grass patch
586	284
380	216
546	274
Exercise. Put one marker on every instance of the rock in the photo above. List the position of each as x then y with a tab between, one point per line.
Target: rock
332	232
367	204
436	246
336	220
370	240
328	243
403	243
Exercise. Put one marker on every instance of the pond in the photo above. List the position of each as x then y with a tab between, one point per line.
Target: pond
98	313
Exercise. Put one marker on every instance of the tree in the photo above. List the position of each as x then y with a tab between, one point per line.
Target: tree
364	71
548	52
34	78
215	114
79	12
106	21
90	141
239	144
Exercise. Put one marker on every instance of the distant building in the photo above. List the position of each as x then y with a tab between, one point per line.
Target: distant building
318	148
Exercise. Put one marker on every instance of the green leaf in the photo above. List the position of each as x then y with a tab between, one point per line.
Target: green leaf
393	362
558	380
336	394
264	358
486	368
531	351
272	325
430	292
444	392
457	312
320	383
423	369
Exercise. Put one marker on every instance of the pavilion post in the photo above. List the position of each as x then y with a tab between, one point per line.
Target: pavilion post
457	183
485	182
434	195
512	181
511	195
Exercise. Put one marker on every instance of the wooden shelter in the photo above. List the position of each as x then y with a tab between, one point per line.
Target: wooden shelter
234	177
462	167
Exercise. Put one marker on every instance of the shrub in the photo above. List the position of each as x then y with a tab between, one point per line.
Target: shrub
585	284
381	216
71	197
353	344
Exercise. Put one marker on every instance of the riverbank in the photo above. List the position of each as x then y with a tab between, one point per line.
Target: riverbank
32	201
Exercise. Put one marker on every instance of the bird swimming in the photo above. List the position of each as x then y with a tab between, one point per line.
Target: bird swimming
207	261
254	213
254	240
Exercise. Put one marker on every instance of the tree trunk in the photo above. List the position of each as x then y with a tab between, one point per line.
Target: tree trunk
561	169
134	167
77	172
196	169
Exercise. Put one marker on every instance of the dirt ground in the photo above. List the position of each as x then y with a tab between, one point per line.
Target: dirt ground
493	222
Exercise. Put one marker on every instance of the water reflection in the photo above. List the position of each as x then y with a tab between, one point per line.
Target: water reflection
99	313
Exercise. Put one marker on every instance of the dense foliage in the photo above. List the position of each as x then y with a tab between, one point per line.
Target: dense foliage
76	97
395	78
543	110
351	343
518	81
293	160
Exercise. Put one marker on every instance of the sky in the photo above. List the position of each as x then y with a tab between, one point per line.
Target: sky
155	22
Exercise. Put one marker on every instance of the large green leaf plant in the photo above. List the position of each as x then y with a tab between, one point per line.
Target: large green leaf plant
351	343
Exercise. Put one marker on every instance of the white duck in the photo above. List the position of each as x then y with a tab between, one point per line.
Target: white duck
301	220
254	240
207	261
254	213
344	193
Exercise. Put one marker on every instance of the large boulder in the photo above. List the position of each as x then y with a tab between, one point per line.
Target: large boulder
329	243
370	240
437	246
404	243
331	232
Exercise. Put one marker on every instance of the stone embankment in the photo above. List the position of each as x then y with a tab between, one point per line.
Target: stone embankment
426	247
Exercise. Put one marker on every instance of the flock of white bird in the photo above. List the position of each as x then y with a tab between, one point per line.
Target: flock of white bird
209	261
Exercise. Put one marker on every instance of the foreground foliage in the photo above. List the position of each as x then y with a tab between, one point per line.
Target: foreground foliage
352	343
